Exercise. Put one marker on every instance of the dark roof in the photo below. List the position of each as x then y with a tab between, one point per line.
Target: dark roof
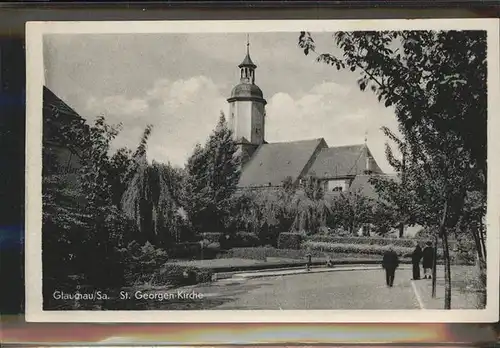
62	126
52	103
361	184
272	163
247	62
248	90
342	161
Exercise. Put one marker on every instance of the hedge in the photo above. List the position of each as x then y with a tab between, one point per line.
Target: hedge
191	251
176	275
397	242
369	249
262	253
231	240
290	240
245	240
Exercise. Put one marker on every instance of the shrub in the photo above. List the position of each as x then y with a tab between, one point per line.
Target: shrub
290	240
245	240
261	253
210	250
190	251
463	252
238	240
212	237
397	242
369	249
176	275
141	262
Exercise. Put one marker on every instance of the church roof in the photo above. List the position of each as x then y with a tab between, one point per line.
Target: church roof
342	161
247	62
248	90
272	163
361	184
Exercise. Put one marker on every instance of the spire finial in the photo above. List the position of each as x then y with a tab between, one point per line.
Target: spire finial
248	43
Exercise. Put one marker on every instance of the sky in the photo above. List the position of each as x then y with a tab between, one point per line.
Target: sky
179	83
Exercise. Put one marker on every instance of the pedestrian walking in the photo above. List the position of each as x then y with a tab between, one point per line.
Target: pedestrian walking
390	262
416	256
428	260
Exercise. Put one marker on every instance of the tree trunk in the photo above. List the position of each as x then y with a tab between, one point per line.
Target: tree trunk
401	230
434	266
441	233
482	283
447	272
482	239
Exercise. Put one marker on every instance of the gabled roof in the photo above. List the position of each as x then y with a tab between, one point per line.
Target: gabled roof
272	163
52	103
361	184
342	161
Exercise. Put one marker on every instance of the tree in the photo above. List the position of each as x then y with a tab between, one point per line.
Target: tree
311	209
351	209
397	192
151	198
212	175
436	81
81	226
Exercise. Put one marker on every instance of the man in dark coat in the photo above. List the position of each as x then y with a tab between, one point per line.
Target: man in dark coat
415	260
390	262
428	260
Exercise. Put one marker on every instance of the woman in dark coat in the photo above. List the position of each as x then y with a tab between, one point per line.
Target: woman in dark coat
428	260
416	256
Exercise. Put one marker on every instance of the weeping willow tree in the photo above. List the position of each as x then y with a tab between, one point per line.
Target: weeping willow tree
310	206
151	198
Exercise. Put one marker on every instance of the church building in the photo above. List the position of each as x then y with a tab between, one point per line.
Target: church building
265	164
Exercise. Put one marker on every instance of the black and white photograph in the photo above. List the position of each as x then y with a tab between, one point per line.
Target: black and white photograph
247	171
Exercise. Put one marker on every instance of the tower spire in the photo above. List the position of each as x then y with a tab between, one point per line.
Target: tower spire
248	44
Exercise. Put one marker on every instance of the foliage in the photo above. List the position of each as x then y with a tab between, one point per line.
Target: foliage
187	250
384	218
350	210
399	242
244	239
212	176
436	82
435	79
263	253
310	207
177	275
355	248
142	262
82	229
212	237
152	198
264	212
290	240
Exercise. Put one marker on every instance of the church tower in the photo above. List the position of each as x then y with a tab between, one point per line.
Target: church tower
247	110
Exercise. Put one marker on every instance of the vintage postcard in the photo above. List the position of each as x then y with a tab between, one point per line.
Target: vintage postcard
263	171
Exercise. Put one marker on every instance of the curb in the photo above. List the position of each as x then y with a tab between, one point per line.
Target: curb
303	271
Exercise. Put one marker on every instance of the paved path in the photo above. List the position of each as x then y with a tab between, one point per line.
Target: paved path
363	289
